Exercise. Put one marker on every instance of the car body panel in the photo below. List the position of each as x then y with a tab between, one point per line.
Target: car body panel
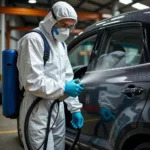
131	111
145	117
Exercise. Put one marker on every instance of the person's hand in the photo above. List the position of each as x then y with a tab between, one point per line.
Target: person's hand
77	120
106	114
73	88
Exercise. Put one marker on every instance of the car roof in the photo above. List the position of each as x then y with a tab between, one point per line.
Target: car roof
142	16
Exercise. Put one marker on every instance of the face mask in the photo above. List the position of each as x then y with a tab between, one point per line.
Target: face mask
61	34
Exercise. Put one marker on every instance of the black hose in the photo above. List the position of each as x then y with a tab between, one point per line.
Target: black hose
76	140
48	122
26	124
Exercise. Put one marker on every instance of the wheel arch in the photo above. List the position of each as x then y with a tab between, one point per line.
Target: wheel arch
133	138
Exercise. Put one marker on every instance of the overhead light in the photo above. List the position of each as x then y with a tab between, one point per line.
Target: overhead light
140	6
126	2
32	1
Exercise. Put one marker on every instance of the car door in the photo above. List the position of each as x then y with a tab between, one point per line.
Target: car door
79	54
115	86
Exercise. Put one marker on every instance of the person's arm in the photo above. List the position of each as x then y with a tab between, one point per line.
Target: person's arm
31	69
73	104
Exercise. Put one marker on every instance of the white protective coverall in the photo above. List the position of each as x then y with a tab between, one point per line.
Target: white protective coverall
46	81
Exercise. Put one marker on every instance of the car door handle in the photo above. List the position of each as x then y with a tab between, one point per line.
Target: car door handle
132	91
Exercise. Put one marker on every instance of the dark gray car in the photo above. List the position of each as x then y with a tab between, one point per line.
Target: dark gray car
115	54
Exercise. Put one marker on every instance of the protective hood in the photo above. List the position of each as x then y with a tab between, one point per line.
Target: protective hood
61	10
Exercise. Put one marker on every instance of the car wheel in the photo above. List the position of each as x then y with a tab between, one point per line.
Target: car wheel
143	146
19	133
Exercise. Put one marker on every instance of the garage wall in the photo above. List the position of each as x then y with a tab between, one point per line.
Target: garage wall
15	35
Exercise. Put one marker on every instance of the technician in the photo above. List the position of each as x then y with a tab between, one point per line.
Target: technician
51	81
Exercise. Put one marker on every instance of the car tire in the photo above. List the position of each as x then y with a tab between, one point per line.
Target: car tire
143	146
19	133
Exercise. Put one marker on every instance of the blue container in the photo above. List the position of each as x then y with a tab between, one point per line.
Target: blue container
10	84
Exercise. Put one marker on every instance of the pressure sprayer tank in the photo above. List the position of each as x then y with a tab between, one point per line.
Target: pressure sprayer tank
9	83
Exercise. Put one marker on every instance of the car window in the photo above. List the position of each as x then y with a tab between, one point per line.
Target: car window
123	48
81	53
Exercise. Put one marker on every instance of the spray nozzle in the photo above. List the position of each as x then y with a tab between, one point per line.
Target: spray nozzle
79	81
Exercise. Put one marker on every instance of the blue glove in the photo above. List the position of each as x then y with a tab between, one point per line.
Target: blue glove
106	114
77	120
73	88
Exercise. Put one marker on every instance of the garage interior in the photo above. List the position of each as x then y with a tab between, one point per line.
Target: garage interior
17	17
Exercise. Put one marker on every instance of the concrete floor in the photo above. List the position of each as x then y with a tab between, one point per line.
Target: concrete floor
8	133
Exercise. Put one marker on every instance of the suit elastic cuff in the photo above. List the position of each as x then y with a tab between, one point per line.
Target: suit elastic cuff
62	87
77	110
